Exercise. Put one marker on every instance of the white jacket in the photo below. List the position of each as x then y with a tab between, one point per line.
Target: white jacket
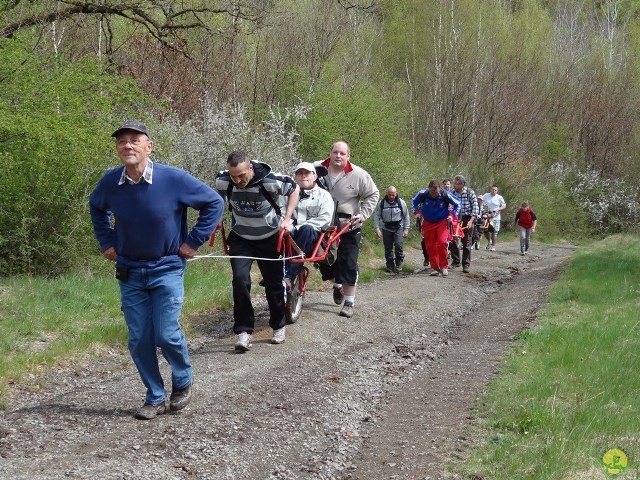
315	208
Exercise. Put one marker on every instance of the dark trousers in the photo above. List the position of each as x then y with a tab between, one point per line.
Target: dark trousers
393	240
423	244
425	254
306	238
466	241
345	268
272	272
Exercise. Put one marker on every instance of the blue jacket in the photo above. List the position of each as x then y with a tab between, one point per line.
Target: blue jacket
435	209
151	219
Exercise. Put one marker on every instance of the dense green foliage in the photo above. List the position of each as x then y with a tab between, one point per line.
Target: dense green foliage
55	117
367	121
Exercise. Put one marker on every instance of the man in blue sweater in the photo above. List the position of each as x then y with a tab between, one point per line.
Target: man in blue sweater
149	241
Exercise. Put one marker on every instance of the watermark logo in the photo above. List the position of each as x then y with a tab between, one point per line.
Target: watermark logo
615	462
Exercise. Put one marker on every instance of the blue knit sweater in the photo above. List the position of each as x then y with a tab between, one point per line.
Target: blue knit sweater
151	219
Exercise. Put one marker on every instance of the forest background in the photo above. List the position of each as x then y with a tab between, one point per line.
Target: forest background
540	97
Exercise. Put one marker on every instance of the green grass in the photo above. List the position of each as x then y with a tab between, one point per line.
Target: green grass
570	389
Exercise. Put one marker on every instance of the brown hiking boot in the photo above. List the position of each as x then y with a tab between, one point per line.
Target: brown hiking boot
148	411
180	398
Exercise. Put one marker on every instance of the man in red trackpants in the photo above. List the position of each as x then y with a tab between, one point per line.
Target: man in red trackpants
433	204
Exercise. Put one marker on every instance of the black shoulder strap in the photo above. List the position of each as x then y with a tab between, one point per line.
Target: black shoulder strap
398	199
270	199
264	192
229	191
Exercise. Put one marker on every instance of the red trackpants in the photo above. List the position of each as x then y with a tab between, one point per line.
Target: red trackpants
435	238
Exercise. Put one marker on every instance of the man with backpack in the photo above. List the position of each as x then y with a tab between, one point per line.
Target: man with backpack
255	194
467	216
434	204
391	222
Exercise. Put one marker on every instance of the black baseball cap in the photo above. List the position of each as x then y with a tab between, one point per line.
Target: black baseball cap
132	125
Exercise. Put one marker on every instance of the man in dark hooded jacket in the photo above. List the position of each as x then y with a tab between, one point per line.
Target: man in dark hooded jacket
255	194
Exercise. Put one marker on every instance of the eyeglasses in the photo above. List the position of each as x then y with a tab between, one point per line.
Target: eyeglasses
136	142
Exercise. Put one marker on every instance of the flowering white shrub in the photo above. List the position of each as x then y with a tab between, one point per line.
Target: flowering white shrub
202	148
610	208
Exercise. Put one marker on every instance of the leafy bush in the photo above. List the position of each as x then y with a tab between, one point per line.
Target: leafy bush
609	209
364	118
55	122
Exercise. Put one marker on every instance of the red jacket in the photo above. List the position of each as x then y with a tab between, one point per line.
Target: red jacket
525	219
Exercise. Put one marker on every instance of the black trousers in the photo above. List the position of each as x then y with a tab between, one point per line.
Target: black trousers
466	241
272	272
345	269
423	244
393	242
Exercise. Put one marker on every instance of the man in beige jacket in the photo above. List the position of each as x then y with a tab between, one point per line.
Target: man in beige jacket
356	197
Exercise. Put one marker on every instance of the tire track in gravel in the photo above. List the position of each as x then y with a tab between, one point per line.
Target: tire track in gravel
424	424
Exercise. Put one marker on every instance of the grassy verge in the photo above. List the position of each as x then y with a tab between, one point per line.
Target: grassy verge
569	391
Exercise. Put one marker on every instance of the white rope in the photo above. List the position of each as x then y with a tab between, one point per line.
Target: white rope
210	255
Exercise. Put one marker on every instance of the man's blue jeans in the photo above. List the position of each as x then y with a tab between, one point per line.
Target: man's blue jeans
152	301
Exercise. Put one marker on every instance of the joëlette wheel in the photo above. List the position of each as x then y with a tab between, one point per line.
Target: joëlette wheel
293	308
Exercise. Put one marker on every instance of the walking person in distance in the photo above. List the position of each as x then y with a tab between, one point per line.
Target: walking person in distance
391	222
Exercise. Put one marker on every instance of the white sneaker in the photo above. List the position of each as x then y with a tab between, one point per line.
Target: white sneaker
435	273
278	336
243	342
492	249
444	272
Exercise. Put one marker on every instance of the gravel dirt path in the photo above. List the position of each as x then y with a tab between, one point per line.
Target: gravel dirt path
384	395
